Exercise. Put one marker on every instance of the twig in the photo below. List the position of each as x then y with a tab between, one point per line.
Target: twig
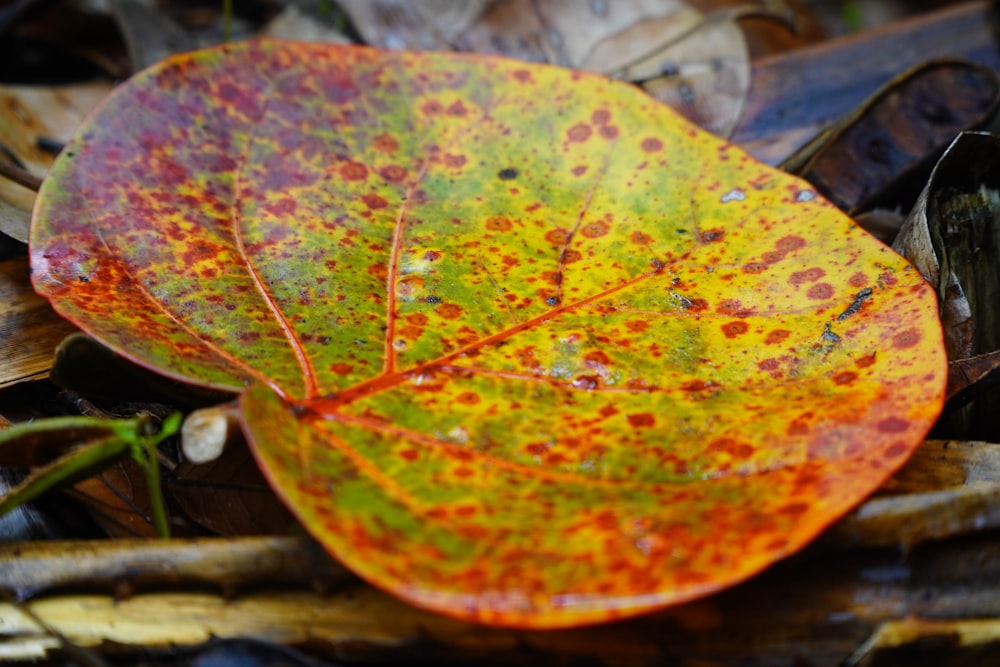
20	176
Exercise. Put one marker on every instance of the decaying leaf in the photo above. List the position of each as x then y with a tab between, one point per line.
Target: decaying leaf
516	343
117	499
694	61
883	152
229	495
951	236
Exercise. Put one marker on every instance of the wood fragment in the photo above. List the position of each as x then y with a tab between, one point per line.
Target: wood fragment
30	568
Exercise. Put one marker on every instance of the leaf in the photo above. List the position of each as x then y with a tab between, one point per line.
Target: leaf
881	154
229	496
518	344
697	62
950	235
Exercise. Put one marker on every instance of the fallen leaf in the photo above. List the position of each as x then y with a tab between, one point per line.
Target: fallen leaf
229	495
697	62
117	499
882	153
951	236
517	343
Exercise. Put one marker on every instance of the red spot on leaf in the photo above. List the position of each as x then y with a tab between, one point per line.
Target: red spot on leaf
807	276
579	132
732	447
409	454
892	425
858	280
734	329
798	426
652	145
596	359
640	238
641	420
393	173
845	377
772	256
449	311
787	244
732	307
776	336
698	385
593	230
820	291
341	368
895	450
468	398
637	326
523	76
498	223
770	364
696	305
374	202
385	143
579	170
354	171
905	339
457	109
432	108
600	117
865	361
454	161
609	131
557	236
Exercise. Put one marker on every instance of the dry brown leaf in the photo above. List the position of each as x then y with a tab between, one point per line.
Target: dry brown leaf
696	62
118	500
412	24
229	495
952	236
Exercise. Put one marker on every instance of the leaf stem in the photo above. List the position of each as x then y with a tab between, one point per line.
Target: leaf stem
144	452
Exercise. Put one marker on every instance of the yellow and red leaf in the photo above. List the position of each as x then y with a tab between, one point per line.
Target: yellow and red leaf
517	343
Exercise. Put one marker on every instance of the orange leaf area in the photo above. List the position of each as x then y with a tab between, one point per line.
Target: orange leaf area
521	345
